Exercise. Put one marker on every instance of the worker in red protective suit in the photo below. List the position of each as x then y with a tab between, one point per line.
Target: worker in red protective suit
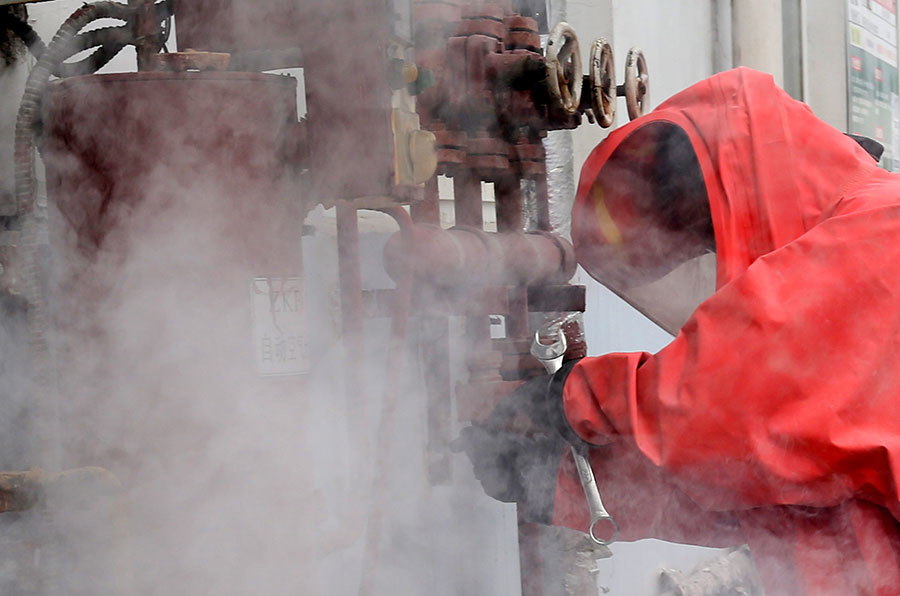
773	418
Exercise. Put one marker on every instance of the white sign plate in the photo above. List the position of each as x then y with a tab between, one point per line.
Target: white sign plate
279	326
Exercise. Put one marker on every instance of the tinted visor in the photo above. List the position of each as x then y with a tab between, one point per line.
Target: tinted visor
642	225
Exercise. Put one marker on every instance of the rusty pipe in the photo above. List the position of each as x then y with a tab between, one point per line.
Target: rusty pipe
390	405
467	257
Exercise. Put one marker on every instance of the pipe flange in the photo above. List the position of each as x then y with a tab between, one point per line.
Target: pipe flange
567	259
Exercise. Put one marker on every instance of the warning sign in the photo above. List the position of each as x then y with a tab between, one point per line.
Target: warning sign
279	326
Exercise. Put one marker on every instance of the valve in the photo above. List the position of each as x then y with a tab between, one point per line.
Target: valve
189	60
637	83
564	68
603	82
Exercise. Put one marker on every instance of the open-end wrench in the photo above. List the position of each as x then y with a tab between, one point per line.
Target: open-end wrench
551	356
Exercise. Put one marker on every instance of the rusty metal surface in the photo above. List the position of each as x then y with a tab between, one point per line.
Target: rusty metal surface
348	81
467	200
428	210
522	33
480	301
109	174
232	26
466	257
148	34
508	201
549	298
390	405
189	60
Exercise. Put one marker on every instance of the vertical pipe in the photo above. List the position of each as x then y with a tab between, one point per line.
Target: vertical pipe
555	195
393	388
435	342
467	200
758	36
467	205
517	327
530	559
508	192
508	197
350	280
148	33
349	271
428	210
723	43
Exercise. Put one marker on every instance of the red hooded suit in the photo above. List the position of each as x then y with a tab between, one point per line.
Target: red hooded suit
773	418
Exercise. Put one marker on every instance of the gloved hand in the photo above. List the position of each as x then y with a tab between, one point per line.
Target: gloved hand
516	451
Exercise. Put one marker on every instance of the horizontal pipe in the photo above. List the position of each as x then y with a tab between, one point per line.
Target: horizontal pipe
467	257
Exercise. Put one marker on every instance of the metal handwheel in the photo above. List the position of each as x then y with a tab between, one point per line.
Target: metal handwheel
564	76
603	82
637	84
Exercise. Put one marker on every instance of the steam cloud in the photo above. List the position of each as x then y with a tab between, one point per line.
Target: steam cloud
230	483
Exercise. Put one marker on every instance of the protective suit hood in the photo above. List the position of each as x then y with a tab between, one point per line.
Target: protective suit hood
777	404
771	171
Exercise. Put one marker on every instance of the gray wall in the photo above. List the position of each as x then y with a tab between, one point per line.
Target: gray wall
825	80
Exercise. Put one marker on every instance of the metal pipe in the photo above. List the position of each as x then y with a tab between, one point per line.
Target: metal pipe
393	388
463	256
352	313
32	234
723	43
429	209
508	197
758	40
467	204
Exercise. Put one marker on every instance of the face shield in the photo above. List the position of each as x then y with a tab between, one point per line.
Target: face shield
643	228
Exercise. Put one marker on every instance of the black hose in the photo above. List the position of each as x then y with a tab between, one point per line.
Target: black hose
111	40
55	53
21	29
58	50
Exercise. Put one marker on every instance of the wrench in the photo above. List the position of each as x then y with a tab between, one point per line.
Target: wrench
551	356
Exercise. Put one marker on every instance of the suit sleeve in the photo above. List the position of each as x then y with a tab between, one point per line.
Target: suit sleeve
781	389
